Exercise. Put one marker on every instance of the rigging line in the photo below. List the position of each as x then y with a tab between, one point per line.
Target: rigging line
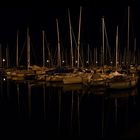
76	46
108	46
22	51
49	52
54	56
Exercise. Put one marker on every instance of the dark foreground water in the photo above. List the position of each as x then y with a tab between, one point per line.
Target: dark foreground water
71	110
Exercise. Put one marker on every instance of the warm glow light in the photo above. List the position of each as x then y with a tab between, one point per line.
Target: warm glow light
3	60
48	61
111	62
87	62
96	62
4	79
63	61
76	61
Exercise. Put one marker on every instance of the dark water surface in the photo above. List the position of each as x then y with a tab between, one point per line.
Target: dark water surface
58	110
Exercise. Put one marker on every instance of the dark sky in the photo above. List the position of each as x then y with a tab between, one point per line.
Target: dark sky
19	15
42	15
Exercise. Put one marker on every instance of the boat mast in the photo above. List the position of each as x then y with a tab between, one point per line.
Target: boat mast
134	52
7	56
17	50
43	34
0	55
88	55
58	39
103	42
117	48
28	49
128	24
78	47
70	39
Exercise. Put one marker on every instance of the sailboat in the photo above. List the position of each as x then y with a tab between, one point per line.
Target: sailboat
118	80
16	74
57	77
76	76
97	78
30	74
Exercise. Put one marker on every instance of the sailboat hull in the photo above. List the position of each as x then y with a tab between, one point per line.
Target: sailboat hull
124	84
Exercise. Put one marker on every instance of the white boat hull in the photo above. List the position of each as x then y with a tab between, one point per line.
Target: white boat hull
72	80
122	84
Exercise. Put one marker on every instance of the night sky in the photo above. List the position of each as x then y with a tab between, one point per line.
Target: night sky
40	16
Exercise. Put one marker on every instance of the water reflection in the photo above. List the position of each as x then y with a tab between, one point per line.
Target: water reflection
44	101
29	99
59	111
120	110
71	110
18	97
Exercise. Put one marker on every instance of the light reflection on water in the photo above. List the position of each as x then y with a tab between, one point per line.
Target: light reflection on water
71	110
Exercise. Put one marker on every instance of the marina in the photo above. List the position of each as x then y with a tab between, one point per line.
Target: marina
70	71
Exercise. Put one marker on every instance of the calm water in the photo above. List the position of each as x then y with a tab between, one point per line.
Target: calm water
70	110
